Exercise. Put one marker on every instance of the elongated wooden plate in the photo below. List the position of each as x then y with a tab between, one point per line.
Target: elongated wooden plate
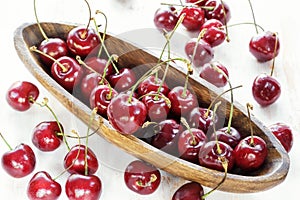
271	174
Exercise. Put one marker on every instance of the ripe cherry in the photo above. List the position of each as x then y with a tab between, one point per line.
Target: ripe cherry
213	32
165	18
232	138
199	51
141	177
42	186
20	95
213	76
99	65
122	80
152	83
82	187
221	11
194	18
45	136
284	134
189	191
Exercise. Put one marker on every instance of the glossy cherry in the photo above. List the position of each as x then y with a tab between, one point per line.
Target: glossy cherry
210	157
75	160
122	80
266	89
182	100
213	76
250	153
45	136
141	177
82	40
83	187
189	191
221	11
204	52
165	18
264	46
194	18
152	83
284	134
42	186
100	97
67	72
231	137
20	93
99	65
126	113
213	32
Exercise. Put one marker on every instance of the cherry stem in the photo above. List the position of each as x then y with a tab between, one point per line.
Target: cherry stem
275	51
219	150
153	178
104	31
250	107
200	35
246	23
84	34
38	22
253	15
225	16
225	167
184	122
5	141
158	95
44	103
185	88
34	48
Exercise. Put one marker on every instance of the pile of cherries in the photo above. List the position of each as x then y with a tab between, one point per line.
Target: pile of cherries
170	119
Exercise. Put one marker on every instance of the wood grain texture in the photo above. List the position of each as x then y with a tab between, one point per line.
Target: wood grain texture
271	174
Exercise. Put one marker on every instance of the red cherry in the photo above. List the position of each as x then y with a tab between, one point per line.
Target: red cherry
99	65
20	161
165	18
209	156
122	80
263	46
45	136
232	138
214	33
213	76
182	102
42	186
75	160
20	93
250	155
141	177
82	41
189	191
100	97
220	11
152	83
204	52
266	89
126	114
194	18
83	187
189	144
67	72
284	134
54	47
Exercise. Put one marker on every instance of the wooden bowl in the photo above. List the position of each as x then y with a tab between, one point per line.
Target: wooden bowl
272	173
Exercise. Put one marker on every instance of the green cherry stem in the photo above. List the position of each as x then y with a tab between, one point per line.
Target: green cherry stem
275	51
253	16
184	122
246	23
5	141
219	150
38	22
104	31
250	107
84	34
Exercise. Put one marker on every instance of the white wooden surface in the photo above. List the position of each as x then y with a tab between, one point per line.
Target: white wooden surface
125	16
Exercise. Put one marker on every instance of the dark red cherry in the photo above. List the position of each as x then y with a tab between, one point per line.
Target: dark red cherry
194	18
141	177
250	155
284	134
75	160
182	101
122	80
231	137
214	32
99	65
45	136
266	89
210	157
152	83
165	18
42	186
189	191
263	46
67	72
100	97
82	41
83	187
189	143
211	75
20	93
204	52
126	113
54	47
221	11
